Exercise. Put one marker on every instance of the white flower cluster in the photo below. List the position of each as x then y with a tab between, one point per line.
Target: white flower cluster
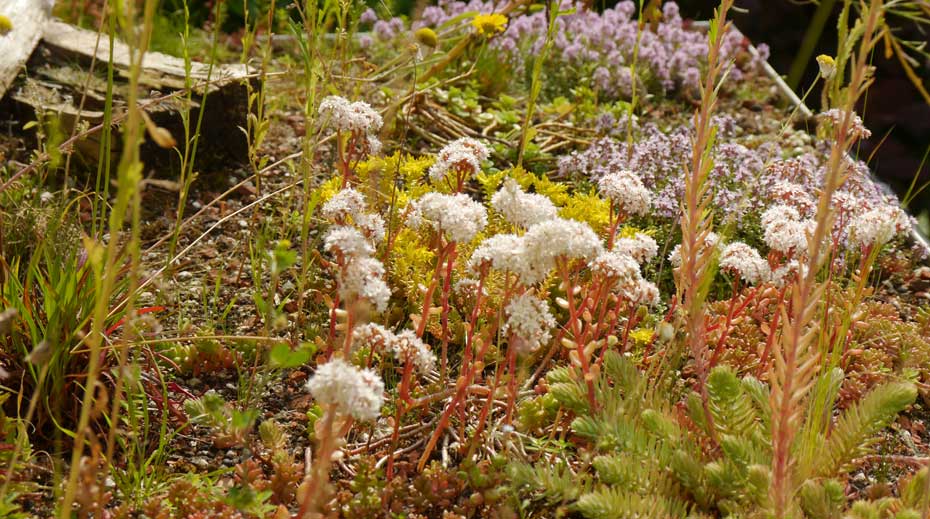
878	226
343	205
349	205
533	255
711	241
458	216
619	267
787	272
642	247
746	262
621	271
785	231
404	346
625	189
467	288
355	392
363	277
463	155
360	275
504	252
547	241
529	321
348	116
371	225
794	195
521	208
857	129
645	292
348	242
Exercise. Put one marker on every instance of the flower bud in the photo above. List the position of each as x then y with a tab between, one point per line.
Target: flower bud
427	36
827	66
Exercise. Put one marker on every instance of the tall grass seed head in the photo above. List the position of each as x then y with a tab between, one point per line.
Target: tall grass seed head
355	392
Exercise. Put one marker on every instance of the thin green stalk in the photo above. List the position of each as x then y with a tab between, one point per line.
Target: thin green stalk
633	98
552	9
104	260
191	142
809	43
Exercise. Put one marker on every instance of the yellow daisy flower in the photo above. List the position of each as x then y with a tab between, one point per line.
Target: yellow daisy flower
489	24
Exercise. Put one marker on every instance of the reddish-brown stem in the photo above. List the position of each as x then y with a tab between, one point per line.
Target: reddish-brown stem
350	324
399	411
444	316
573	318
770	340
511	383
486	409
457	399
465	378
733	311
428	296
319	477
615	224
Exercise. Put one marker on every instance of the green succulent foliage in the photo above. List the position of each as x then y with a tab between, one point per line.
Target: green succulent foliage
643	463
551	484
823	499
856	429
631	440
737	481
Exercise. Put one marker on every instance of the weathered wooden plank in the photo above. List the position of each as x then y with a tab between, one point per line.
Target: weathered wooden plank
59	85
28	19
74	40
